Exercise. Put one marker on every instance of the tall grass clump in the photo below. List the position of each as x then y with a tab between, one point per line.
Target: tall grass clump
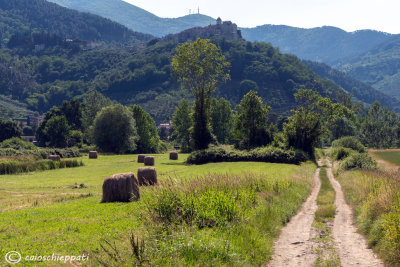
21	166
264	154
375	196
340	153
358	161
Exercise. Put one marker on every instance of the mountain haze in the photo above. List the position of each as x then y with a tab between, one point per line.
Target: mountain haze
135	18
326	44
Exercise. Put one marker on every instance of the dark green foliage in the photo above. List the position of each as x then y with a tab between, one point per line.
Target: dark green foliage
201	67
340	153
9	129
149	139
181	122
358	161
13	167
93	102
222	120
380	128
57	132
72	111
360	90
340	127
114	130
303	130
349	142
228	154
18	144
250	128
39	15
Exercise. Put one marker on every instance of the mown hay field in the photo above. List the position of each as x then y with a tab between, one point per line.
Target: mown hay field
233	221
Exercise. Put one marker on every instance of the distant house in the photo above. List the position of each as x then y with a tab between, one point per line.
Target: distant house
164	125
92	45
31	139
39	47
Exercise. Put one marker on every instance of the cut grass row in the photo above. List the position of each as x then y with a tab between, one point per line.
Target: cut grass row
218	217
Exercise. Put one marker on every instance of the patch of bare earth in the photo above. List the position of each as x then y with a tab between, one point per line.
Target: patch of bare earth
296	244
351	247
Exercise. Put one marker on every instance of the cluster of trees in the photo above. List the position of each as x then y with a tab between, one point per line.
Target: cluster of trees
98	120
316	120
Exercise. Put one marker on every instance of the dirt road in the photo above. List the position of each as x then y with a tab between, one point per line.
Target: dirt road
350	245
295	246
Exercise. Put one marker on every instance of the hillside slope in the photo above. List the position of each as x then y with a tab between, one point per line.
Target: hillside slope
379	67
135	18
20	16
358	89
323	44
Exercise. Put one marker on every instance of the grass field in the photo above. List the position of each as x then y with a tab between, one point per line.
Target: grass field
391	156
59	212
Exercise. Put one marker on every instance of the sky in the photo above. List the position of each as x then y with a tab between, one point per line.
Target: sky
350	15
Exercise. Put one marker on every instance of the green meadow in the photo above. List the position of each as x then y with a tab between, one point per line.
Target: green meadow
236	212
392	156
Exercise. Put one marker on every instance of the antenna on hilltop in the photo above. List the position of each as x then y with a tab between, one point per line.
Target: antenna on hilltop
190	11
198	10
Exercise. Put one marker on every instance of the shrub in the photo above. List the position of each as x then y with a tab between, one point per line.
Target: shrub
358	161
228	154
349	142
18	144
14	167
340	153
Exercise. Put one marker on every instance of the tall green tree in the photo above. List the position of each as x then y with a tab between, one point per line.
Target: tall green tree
93	102
181	123
149	139
250	128
222	120
380	128
57	131
9	129
114	130
201	67
72	111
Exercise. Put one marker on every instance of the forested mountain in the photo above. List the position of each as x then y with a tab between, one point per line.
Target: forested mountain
378	67
136	18
20	16
144	77
358	89
330	45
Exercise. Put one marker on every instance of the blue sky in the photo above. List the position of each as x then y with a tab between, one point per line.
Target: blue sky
350	15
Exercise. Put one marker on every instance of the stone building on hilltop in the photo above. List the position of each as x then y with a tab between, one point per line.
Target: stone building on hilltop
223	29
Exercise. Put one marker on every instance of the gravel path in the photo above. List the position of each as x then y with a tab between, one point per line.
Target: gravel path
295	246
350	245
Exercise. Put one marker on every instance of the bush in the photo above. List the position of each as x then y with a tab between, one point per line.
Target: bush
18	144
349	142
13	167
265	154
358	161
40	153
340	153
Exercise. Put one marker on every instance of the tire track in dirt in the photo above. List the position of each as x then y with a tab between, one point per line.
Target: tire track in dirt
295	246
350	245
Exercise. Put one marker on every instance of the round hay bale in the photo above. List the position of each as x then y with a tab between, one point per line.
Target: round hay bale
140	158
122	187
54	157
93	155
173	155
149	161
147	176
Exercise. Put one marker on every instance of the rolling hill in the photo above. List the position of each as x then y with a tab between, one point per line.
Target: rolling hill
21	16
330	45
135	18
379	67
